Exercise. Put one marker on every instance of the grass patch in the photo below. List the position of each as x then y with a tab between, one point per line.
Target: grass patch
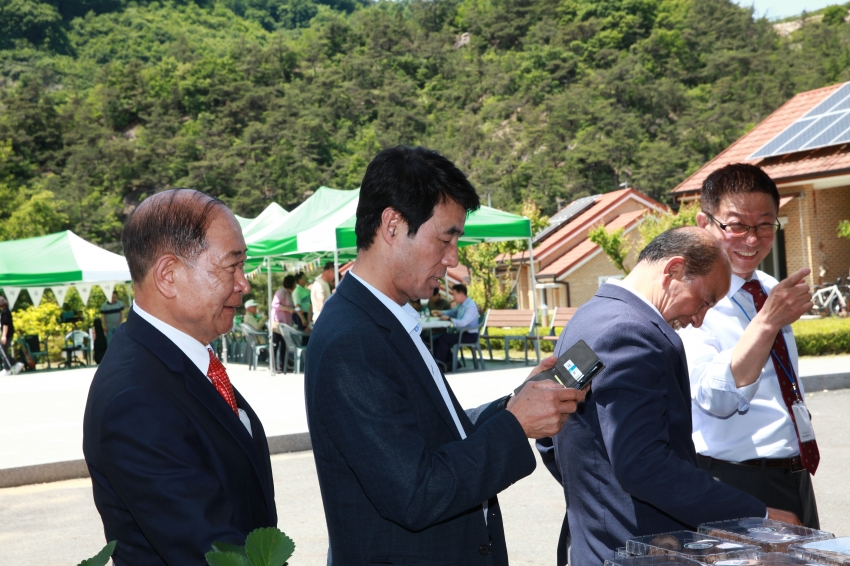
823	336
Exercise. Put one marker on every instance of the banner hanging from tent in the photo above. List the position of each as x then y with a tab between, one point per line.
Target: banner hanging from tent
85	292
35	295
12	295
59	293
107	290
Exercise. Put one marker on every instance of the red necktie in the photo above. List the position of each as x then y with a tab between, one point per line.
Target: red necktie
809	453
218	376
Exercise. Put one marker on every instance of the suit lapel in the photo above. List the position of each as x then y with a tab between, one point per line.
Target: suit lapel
200	388
400	340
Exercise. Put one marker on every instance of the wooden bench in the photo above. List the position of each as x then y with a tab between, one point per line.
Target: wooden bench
560	318
509	319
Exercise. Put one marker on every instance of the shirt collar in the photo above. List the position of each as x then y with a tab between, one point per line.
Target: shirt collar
738	282
194	350
624	285
406	315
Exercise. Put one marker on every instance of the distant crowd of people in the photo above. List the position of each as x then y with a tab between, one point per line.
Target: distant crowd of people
697	416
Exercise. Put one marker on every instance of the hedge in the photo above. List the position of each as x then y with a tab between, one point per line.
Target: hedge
499	344
819	337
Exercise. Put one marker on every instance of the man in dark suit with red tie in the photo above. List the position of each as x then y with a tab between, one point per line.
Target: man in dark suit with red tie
178	458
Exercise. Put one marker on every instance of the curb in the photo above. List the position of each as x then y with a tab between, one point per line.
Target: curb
828	382
76	469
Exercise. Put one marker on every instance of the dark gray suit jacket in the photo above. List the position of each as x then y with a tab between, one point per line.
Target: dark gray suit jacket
626	458
173	468
398	484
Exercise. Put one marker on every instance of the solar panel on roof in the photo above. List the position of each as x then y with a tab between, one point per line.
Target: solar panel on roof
831	100
824	125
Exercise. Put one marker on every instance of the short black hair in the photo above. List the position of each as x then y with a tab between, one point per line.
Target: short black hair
328	266
289	282
300	275
460	288
412	181
700	250
170	222
736	178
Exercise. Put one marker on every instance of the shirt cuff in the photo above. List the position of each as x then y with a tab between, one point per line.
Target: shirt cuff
719	377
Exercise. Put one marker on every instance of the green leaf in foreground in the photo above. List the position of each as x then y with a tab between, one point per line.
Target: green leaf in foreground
226	559
102	557
268	547
219	546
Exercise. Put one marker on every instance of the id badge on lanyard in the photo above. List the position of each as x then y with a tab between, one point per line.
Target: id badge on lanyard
801	414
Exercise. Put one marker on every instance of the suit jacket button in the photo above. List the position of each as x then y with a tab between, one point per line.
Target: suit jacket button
484	549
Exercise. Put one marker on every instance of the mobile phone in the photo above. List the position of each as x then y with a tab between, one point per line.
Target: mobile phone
574	369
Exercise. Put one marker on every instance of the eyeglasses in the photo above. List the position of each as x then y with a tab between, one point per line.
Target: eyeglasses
738	230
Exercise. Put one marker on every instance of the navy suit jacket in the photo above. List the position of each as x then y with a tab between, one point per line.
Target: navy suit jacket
399	486
626	458
173	468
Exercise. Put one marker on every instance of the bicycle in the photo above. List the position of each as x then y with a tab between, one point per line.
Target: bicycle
829	300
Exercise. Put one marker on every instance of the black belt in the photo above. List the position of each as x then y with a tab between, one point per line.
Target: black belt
793	464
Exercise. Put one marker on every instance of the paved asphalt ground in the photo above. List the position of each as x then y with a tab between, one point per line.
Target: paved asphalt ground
57	523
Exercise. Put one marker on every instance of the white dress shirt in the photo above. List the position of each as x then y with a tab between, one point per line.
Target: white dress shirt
409	319
732	423
194	350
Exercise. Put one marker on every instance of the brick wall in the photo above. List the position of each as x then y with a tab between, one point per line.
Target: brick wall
829	207
584	281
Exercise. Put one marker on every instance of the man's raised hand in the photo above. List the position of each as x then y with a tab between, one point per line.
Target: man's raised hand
788	300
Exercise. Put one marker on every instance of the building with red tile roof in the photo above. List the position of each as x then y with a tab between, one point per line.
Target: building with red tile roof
814	185
569	267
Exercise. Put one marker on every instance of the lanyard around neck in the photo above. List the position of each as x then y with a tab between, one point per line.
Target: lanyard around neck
785	370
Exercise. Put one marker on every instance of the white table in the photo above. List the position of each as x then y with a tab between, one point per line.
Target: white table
433	322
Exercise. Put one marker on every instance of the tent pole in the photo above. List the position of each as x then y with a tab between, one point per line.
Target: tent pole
534	297
336	268
270	323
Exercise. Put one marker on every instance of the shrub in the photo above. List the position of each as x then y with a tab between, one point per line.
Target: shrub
822	336
499	344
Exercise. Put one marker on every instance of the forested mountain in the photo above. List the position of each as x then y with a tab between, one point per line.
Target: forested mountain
103	102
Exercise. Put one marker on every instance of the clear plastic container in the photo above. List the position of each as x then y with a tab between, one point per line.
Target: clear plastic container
697	546
767	534
834	551
768	559
660	560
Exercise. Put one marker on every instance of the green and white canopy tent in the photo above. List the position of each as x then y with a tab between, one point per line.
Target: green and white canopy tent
265	222
58	262
324	225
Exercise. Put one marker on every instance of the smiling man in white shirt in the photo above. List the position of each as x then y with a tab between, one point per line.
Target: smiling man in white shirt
751	427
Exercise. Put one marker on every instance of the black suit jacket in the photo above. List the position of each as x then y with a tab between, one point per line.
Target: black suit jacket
173	468
626	458
399	486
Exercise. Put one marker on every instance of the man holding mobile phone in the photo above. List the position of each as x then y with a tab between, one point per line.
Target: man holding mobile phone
626	458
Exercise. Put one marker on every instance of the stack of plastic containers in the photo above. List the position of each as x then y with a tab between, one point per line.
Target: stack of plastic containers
695	546
835	552
660	560
767	534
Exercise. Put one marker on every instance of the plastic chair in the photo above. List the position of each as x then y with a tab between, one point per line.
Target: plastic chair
292	341
254	347
474	347
32	345
75	341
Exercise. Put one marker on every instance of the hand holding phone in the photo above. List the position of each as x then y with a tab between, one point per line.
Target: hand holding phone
574	369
